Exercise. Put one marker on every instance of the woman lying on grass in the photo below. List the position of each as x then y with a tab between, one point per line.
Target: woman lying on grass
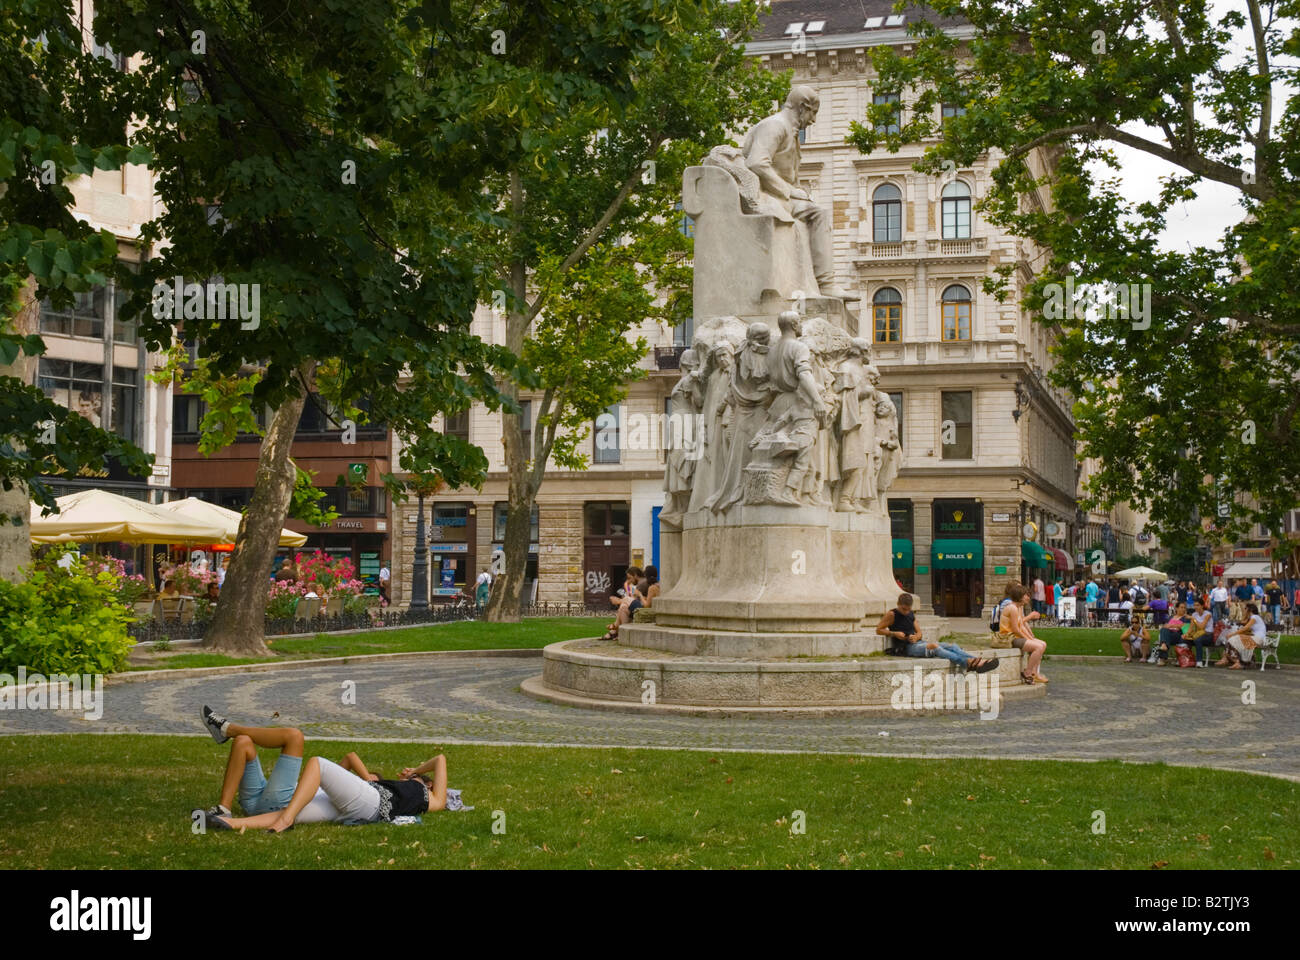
349	793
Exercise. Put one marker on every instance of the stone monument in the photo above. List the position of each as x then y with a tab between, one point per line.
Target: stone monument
775	543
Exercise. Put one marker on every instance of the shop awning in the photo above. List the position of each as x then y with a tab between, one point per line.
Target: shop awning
958	554
1032	554
903	554
1062	558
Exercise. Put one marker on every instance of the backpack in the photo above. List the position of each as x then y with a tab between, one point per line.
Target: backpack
995	624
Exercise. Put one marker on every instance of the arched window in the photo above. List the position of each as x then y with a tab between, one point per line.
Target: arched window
956	211
956	313
887	309
887	214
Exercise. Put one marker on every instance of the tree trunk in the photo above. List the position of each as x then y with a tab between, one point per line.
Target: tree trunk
507	592
16	539
238	623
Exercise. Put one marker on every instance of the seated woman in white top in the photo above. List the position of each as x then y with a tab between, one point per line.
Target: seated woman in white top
1241	643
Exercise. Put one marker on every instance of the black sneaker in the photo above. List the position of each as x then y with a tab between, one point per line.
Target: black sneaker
216	724
217	810
987	665
209	820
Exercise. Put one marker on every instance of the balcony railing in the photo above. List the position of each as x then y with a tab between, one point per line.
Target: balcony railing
669	358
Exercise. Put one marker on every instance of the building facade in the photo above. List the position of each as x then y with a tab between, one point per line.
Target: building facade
987	490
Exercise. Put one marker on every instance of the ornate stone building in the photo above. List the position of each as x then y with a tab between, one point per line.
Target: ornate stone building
986	489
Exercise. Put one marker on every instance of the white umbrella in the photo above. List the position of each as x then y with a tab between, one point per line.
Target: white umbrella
1139	573
97	516
200	511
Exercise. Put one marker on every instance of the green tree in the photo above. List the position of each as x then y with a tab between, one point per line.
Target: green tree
1192	409
334	156
586	243
57	104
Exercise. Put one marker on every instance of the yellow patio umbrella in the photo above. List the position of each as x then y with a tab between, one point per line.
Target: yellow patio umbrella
97	516
200	511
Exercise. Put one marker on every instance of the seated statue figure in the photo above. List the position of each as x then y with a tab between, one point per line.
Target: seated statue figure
771	151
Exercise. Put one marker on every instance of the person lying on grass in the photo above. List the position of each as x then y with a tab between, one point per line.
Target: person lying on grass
326	791
899	627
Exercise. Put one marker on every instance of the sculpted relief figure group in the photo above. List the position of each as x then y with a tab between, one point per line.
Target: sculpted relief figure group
788	412
797	419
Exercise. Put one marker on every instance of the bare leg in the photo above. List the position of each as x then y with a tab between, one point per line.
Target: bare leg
1035	650
242	750
288	740
281	820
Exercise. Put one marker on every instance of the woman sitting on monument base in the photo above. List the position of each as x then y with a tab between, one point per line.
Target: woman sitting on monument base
899	625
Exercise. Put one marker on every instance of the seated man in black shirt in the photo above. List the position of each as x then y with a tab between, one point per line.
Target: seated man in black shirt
905	640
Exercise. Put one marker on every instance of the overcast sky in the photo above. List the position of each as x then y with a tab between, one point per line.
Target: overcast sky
1217	206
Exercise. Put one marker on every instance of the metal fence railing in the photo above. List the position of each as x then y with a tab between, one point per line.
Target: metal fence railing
153	629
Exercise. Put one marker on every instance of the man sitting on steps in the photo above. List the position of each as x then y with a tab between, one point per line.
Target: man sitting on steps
899	625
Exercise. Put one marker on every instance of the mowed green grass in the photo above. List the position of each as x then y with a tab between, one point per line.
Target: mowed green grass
90	802
466	635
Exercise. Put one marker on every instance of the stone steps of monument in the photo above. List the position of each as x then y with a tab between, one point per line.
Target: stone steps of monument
618	673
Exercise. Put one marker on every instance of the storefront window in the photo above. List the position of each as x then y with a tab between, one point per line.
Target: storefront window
499	523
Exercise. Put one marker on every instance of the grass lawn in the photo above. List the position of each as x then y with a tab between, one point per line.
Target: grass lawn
89	802
464	635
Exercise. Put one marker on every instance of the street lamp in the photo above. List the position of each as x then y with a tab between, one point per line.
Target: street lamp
420	567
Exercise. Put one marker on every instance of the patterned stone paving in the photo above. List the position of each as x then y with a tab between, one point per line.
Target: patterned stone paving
1092	711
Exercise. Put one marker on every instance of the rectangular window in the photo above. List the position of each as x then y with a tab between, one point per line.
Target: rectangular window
956	320
897	400
605	436
684	332
187	416
956	433
606	519
950	110
125	401
450	523
84	318
956	218
457	425
887	221
888	322
499	523
77	386
893	125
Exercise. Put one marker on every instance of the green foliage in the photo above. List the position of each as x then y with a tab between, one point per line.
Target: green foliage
64	621
305	505
1204	399
57	107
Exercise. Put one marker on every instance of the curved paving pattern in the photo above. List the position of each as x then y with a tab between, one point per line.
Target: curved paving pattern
1093	711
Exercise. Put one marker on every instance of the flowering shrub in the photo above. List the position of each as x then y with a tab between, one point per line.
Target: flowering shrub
327	575
282	599
129	588
186	580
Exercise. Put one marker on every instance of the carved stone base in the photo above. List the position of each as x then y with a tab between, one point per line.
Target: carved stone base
589	673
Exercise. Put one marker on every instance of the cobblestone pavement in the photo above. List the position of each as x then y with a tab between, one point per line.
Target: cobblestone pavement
1092	711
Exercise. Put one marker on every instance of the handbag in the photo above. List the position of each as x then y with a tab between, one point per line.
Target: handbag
1186	658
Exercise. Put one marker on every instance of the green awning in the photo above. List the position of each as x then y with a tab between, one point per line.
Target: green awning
958	554
1033	555
902	554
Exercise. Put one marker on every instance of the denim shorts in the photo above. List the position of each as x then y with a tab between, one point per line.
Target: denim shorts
258	795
